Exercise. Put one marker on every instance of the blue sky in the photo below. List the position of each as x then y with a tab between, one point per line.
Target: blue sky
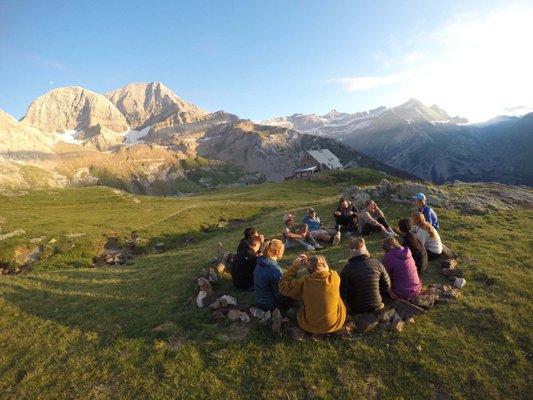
261	59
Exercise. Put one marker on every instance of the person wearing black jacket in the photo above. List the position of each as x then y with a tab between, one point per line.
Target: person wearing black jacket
363	280
242	270
346	216
410	240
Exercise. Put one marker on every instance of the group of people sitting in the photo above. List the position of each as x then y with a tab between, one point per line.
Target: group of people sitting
325	295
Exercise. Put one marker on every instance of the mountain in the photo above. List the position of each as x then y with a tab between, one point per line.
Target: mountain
73	108
144	104
428	143
143	138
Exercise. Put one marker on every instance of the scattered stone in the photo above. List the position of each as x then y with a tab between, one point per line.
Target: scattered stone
37	240
298	333
406	309
226	300
257	312
200	299
16	232
398	326
234	315
452	263
245	317
266	317
425	300
459	283
386	315
204	285
410	320
366	323
276	320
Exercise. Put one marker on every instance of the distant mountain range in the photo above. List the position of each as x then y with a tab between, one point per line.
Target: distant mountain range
428	143
144	138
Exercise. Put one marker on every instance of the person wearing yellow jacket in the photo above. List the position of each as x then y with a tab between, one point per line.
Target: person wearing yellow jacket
323	310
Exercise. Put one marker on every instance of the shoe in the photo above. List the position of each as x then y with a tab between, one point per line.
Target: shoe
318	247
310	248
336	239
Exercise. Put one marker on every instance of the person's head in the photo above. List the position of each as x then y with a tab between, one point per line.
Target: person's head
317	264
419	220
404	225
288	219
419	199
344	203
255	242
370	205
275	249
390	243
358	247
311	212
249	232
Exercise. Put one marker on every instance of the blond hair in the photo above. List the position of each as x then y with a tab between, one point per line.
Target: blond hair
275	249
356	243
316	263
390	243
420	220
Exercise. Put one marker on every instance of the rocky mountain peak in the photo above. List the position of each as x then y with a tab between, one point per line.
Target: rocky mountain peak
73	108
146	103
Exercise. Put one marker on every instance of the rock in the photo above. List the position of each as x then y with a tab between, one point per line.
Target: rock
237	332
160	246
211	275
200	299
410	320
234	315
398	326
395	318
409	189
276	320
219	268
385	183
366	323
257	312
459	283
425	300
452	263
386	314
245	317
226	300
204	285
297	333
406	309
266	317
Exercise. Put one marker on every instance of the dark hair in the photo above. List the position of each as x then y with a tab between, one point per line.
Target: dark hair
254	239
343	199
405	225
248	232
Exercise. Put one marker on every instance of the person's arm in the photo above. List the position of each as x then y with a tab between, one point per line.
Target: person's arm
289	285
434	220
369	220
291	235
384	281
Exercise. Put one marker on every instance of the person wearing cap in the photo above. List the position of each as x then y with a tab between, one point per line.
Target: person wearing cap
297	235
429	213
363	280
317	230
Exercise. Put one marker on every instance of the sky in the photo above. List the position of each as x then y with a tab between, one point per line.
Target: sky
261	59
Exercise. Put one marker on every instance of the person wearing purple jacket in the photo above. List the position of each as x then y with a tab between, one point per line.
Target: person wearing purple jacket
401	267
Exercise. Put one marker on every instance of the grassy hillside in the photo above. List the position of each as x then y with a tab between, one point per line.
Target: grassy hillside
67	331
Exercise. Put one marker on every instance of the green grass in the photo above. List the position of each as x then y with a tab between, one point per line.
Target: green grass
72	332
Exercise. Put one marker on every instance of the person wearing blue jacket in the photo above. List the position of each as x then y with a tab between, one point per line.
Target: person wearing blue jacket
267	274
429	213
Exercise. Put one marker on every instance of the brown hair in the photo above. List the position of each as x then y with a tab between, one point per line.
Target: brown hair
368	202
390	243
315	263
275	249
343	199
420	220
254	239
356	243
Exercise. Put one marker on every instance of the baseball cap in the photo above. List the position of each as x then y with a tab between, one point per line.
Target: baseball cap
420	196
286	217
310	210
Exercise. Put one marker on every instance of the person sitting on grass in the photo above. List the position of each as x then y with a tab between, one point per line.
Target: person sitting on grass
322	310
372	220
346	216
430	238
267	274
297	235
245	241
242	270
317	230
418	250
363	280
401	268
429	214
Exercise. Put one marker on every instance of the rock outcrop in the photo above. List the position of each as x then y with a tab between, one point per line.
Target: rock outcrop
73	108
144	104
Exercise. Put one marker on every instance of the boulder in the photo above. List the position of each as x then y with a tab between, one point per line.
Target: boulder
406	309
386	314
234	315
425	300
227	300
204	285
366	323
409	189
257	312
398	326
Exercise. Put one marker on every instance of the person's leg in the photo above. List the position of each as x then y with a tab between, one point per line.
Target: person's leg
311	240
447	253
302	243
383	222
321	234
368	229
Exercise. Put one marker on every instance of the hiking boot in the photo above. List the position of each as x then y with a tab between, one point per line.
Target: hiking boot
336	239
310	248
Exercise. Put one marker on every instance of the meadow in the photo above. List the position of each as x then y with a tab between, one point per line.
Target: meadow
68	330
